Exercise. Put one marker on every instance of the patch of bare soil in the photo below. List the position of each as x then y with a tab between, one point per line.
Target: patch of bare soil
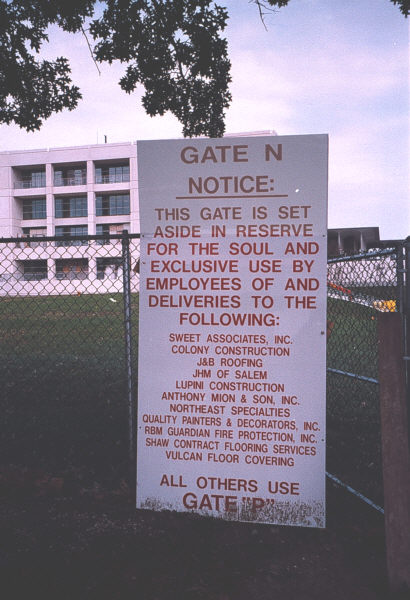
65	543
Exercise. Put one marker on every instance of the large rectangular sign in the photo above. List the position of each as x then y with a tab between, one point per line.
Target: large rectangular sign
232	336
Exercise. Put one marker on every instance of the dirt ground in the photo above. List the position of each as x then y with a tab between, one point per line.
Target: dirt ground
71	544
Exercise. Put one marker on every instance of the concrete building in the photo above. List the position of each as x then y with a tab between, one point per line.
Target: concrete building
351	240
56	191
66	192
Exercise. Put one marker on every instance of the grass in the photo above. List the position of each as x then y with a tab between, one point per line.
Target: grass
78	325
353	415
63	374
352	344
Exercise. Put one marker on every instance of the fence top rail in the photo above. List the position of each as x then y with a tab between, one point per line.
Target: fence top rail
119	236
363	256
59	238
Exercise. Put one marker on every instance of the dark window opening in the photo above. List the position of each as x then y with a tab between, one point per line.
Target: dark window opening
70	231
73	206
34	208
34	270
70	176
112	173
113	204
72	268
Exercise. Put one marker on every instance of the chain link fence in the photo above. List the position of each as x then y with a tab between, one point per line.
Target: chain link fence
68	326
68	355
359	288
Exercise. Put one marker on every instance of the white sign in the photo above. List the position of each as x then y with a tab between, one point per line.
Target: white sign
232	336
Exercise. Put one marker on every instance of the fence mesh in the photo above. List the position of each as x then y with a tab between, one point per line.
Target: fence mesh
63	359
359	288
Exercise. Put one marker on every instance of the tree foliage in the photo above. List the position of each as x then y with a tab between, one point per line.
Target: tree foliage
404	6
174	49
32	89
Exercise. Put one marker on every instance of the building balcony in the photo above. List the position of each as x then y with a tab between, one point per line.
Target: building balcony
70	181
117	178
112	173
28	183
70	175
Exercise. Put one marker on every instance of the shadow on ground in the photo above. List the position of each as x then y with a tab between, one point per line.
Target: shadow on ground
91	544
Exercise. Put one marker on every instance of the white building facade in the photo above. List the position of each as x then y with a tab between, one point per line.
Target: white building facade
65	192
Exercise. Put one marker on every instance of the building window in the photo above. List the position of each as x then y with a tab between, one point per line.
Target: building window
34	270
34	208
73	206
31	179
112	204
112	173
72	268
33	232
70	176
70	231
107	229
109	268
102	230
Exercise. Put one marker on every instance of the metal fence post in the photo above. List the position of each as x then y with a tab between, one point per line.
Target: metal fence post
403	284
406	327
128	342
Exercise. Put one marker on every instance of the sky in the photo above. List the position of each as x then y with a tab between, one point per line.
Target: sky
319	66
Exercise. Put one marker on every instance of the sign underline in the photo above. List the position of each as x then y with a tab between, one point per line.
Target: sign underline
230	196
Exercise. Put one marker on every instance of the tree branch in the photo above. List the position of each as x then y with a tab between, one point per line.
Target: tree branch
90	49
263	10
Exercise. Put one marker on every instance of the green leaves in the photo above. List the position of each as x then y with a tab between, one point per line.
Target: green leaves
404	6
30	89
36	90
175	51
